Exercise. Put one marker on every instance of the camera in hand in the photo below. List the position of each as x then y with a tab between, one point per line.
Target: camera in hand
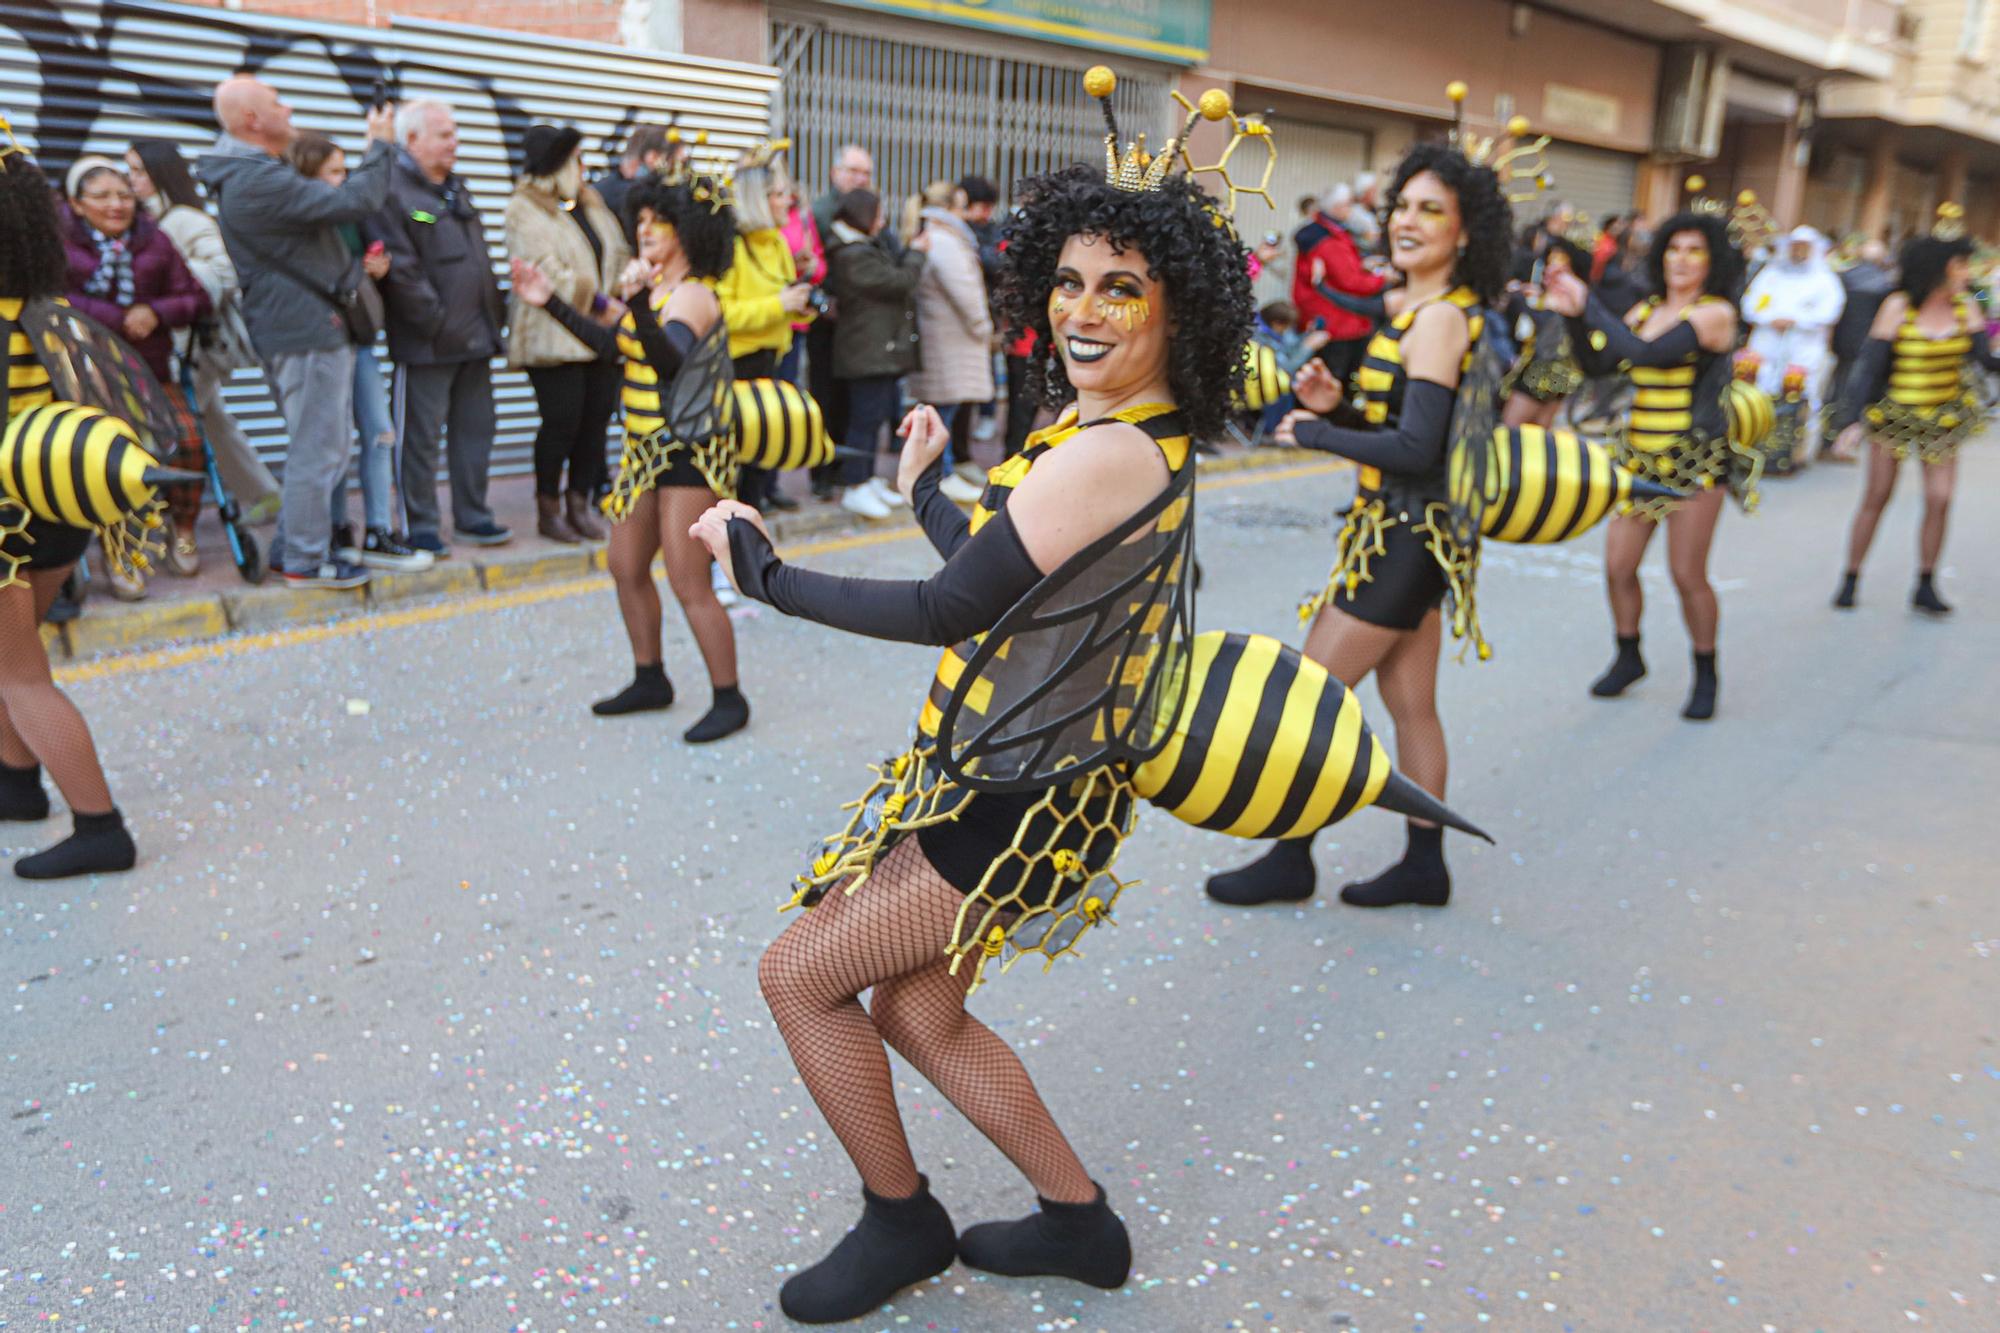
817	298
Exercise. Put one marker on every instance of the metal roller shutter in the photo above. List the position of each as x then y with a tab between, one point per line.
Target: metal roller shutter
1312	159
89	76
1594	180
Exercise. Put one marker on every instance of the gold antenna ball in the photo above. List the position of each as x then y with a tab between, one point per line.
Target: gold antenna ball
1696	184
1518	127
1099	81
1950	210
1214	104
1456	90
1747	198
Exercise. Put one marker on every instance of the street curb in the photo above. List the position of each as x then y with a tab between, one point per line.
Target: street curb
104	630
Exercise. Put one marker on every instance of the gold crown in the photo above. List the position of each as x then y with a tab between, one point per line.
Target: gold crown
1750	223
1520	162
12	148
1950	224
1136	171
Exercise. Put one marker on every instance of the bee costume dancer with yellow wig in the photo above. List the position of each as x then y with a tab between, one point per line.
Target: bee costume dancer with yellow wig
70	465
1916	390
1070	689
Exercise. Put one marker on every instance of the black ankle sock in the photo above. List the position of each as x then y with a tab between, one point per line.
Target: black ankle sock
897	1243
21	794
1844	599
730	713
1284	874
1701	699
100	845
1926	598
1083	1241
1420	877
1625	670
649	689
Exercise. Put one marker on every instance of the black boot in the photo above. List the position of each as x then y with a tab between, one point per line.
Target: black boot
1844	599
1926	600
1420	877
650	689
99	846
1625	671
21	794
896	1244
1084	1241
729	714
1701	699
1284	874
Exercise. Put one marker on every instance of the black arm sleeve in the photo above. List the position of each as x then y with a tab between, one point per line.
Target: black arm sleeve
665	347
943	522
1622	344
1415	446
1982	351
1866	379
988	574
1374	308
586	330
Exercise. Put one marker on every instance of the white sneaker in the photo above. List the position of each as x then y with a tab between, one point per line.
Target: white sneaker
720	581
973	473
959	490
889	496
986	428
864	502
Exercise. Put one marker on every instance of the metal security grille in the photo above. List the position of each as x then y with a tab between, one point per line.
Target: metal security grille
1595	181
926	113
91	76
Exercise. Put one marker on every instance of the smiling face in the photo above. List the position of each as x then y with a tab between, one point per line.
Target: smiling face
1109	316
105	199
1424	226
659	243
1686	262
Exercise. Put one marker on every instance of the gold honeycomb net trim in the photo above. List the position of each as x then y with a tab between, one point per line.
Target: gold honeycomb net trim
1928	434
14	520
1363	537
644	460
1695	464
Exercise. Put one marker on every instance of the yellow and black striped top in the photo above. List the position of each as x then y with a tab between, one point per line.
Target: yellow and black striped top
1381	378
644	412
27	378
1663	402
1168	430
1928	372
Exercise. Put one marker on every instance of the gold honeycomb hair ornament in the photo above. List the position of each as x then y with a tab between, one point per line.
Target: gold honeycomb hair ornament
1521	162
1950	224
1135	170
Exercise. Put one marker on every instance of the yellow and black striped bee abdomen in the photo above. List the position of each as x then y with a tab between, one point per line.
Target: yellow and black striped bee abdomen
1264	380
779	426
1751	413
1548	485
1267	744
72	464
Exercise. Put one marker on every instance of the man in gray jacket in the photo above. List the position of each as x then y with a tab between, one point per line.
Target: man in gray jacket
445	318
280	228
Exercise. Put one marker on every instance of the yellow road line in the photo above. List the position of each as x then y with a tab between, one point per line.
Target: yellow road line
165	659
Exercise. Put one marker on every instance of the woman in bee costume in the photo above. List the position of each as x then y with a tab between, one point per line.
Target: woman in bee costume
1675	346
70	467
1916	387
1065	600
1450	233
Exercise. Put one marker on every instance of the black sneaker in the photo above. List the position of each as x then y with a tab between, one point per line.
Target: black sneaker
334	573
383	551
429	543
343	544
485	534
778	500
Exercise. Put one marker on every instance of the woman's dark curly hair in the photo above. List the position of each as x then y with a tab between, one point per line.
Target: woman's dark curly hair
1202	265
1484	215
32	260
1725	261
707	234
1924	259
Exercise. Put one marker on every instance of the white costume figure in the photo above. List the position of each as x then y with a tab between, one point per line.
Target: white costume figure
1792	306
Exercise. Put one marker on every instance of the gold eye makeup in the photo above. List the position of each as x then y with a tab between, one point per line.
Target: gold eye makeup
1127	312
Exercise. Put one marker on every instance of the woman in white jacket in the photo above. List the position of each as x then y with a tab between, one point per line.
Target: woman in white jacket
954	331
161	179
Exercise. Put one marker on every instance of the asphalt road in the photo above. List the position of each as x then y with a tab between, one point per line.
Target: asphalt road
432	1004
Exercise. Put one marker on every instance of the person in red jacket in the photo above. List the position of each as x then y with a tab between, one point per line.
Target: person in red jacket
125	273
1329	256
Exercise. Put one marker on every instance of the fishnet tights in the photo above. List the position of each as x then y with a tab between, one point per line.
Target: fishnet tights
891	935
38	723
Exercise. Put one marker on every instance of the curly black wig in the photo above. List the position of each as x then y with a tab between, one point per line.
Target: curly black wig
1924	260
1188	246
32	261
707	233
1725	261
1485	217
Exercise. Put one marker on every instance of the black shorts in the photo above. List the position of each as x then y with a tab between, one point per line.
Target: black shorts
1404	584
681	471
963	849
47	545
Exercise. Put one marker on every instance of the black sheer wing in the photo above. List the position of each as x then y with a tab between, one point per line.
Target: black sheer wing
1474	481
1089	668
89	364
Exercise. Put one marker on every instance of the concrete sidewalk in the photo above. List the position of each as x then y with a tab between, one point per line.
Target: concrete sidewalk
217	602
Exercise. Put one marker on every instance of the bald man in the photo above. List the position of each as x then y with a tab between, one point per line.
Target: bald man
282	231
